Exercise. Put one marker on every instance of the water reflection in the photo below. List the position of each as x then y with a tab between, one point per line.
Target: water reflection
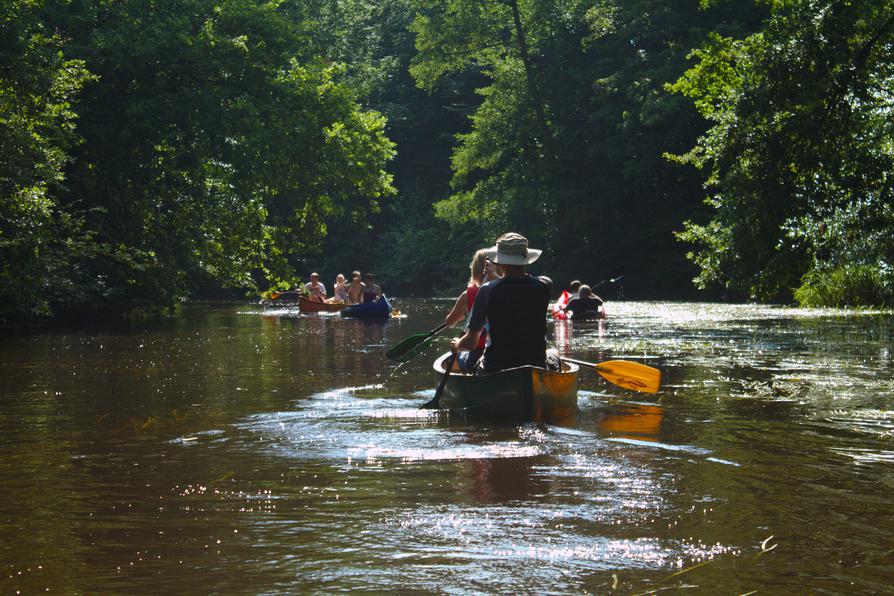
563	333
633	420
563	336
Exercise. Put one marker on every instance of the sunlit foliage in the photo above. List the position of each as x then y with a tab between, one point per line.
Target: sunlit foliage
217	143
799	160
566	145
38	240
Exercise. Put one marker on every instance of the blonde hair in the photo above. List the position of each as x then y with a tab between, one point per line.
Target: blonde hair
476	267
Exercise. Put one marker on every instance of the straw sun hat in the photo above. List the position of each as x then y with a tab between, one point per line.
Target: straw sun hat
512	249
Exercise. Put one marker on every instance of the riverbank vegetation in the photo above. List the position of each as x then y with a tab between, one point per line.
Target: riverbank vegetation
151	151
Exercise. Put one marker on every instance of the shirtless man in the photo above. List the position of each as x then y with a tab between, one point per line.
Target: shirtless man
355	289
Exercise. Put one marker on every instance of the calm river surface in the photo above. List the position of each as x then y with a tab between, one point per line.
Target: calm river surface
234	450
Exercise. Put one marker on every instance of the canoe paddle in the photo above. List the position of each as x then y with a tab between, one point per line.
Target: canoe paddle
435	402
413	345
276	295
614	276
416	344
626	374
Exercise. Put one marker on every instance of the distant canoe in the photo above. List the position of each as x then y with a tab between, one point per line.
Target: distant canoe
522	394
380	309
308	305
559	314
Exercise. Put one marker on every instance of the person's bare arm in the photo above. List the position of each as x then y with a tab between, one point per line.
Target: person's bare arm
458	312
469	341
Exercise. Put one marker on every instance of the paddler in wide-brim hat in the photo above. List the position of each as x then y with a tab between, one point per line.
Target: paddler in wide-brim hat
513	307
512	249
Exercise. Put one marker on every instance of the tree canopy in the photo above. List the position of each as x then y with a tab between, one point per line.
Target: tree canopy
567	143
798	160
215	142
156	150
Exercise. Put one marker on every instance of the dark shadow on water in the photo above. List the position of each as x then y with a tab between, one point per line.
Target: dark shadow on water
505	479
759	408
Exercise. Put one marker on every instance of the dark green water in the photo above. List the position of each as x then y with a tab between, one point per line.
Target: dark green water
236	451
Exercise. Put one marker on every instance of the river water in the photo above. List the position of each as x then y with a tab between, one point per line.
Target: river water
237	450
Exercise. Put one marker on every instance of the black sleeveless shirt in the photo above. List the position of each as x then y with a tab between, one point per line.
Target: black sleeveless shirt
515	311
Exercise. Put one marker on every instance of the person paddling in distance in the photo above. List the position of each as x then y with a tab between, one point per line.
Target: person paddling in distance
481	270
371	290
513	307
315	288
587	305
564	298
355	289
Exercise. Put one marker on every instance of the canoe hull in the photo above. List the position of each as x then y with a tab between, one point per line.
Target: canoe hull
380	309
523	394
308	305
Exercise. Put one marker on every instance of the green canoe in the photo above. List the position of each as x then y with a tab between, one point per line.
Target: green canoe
522	394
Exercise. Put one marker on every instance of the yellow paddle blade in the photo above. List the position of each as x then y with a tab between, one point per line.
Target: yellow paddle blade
630	375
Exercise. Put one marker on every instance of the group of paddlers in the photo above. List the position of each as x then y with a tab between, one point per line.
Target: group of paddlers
504	308
344	292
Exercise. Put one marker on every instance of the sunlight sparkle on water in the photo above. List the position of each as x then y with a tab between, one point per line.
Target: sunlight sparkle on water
373	452
495	535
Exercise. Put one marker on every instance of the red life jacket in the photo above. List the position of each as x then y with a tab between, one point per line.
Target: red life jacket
561	303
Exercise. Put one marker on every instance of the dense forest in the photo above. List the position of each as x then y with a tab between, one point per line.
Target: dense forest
157	150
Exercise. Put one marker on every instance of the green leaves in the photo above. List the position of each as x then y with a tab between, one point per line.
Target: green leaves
37	86
714	83
567	142
799	160
216	142
454	34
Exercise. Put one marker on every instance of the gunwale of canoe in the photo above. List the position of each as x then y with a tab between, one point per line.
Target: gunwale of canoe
308	305
521	394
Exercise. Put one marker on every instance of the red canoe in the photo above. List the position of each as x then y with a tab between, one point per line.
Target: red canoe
308	305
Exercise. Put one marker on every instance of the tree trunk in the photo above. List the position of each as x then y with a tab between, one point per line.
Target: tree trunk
529	72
